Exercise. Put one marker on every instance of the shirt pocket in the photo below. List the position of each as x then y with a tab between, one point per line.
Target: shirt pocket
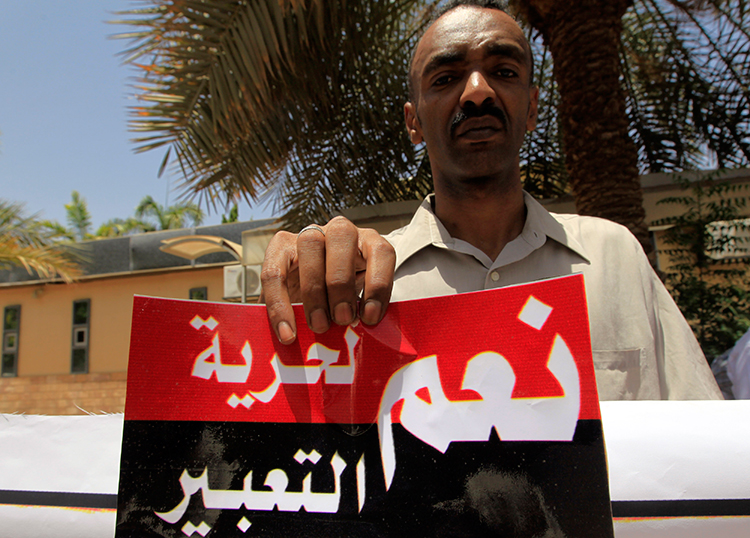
618	373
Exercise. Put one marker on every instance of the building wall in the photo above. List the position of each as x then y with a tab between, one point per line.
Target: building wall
656	187
44	384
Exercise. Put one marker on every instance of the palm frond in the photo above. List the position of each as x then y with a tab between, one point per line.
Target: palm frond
244	90
32	244
687	67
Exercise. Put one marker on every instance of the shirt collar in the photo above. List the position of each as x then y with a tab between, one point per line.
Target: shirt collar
425	229
542	221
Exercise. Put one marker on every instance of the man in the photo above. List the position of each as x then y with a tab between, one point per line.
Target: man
471	102
738	368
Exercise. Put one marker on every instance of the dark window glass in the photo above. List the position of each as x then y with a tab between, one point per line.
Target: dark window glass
79	357
9	364
80	363
199	294
80	312
12	315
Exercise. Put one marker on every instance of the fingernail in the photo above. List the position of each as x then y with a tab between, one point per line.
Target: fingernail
286	334
343	314
319	321
371	312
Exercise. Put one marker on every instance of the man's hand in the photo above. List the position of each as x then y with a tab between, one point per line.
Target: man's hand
325	268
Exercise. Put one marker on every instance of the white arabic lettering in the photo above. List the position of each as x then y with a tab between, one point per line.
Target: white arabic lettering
188	529
361	493
431	417
310	374
225	373
276	479
198	323
319	359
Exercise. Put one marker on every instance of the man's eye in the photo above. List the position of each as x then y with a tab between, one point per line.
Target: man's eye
442	80
507	73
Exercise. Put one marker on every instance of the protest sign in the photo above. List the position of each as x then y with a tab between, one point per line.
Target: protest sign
470	415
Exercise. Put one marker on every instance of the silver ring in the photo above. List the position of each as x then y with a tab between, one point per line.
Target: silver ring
312	227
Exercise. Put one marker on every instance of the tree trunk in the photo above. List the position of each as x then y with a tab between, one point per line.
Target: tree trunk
584	38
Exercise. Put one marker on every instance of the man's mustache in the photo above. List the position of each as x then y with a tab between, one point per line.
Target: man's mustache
486	109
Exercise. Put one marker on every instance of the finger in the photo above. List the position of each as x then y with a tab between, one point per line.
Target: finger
279	266
380	259
311	251
342	254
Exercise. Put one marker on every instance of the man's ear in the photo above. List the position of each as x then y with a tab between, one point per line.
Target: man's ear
533	108
412	123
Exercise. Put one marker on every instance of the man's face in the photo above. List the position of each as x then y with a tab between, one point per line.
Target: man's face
473	101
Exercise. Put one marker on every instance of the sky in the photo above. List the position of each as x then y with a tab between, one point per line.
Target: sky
64	98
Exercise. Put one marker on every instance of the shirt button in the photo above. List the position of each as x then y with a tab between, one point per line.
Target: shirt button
494	276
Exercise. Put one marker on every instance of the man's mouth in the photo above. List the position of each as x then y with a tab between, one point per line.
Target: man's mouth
478	122
479	128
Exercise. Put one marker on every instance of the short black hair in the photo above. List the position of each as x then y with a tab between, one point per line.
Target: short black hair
499	5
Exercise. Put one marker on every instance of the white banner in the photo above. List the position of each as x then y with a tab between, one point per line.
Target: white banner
677	470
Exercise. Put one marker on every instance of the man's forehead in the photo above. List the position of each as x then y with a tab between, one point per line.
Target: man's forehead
469	27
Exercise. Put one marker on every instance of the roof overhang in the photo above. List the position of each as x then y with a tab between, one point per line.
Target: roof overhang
192	247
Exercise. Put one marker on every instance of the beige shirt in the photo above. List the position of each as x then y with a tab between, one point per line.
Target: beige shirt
643	348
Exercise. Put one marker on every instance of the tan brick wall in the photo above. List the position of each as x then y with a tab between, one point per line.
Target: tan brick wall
63	394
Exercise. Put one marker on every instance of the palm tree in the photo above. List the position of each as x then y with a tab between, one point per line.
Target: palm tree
28	242
167	218
118	227
303	100
685	68
79	218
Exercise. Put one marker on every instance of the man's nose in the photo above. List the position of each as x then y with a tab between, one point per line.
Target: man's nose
477	90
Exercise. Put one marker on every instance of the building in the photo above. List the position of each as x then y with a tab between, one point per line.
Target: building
65	346
657	187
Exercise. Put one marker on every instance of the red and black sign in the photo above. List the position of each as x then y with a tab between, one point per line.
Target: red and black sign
469	415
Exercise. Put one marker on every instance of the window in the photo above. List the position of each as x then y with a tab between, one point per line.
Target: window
11	328
729	239
199	294
79	359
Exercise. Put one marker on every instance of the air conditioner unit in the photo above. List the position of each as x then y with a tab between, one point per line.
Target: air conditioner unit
233	281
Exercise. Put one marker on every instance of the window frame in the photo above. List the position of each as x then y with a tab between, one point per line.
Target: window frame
15	334
77	346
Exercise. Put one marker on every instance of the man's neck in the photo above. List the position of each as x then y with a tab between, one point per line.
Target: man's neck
487	216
